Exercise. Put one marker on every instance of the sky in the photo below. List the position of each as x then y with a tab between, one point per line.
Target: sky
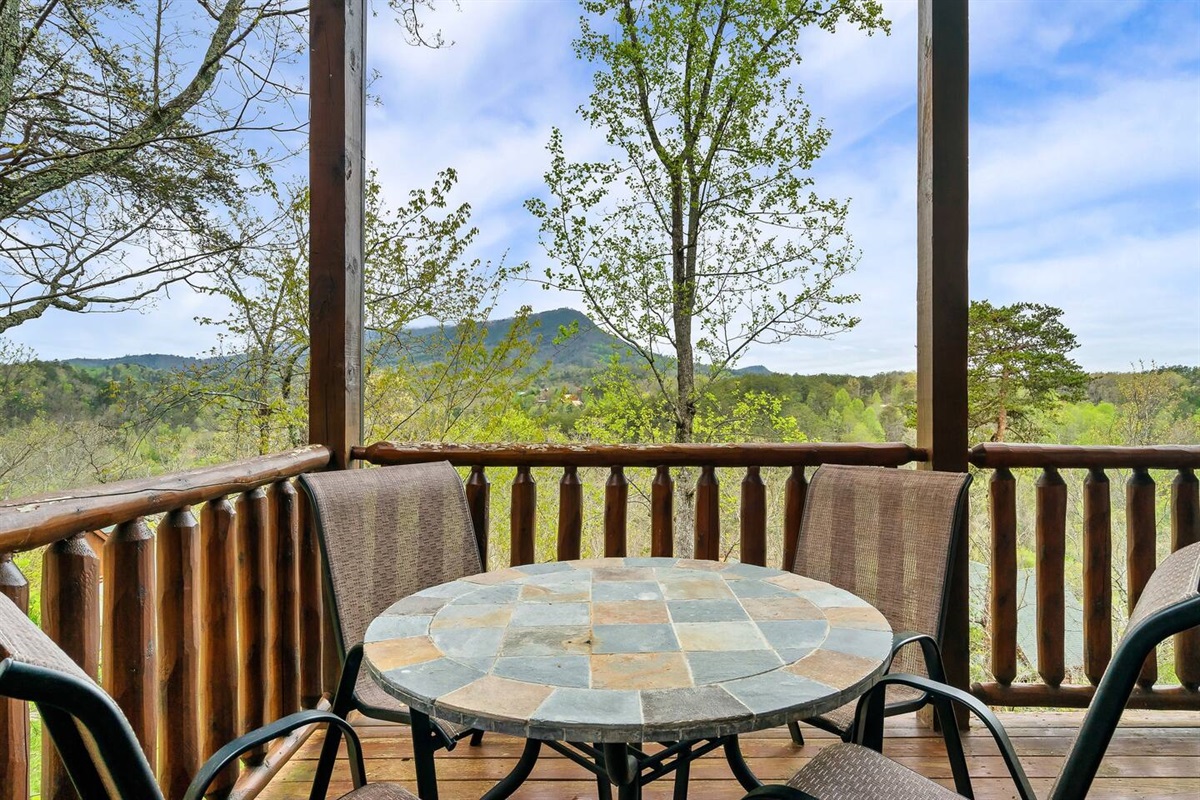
1084	169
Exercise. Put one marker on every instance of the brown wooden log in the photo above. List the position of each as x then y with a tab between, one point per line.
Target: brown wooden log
754	454
1040	695
1140	527
127	632
71	617
708	515
1002	497
310	608
1051	558
34	522
478	498
219	664
1185	530
754	518
253	517
795	492
570	514
178	546
14	715
662	513
284	665
616	504
524	518
331	650
1097	575
994	454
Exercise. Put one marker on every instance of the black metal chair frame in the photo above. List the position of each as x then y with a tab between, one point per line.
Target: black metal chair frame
62	700
1087	753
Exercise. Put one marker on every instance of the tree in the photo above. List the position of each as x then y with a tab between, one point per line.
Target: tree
1018	367
703	234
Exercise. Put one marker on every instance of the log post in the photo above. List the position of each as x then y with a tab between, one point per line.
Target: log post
478	498
570	514
253	517
178	545
71	617
662	513
754	518
616	500
1003	608
795	491
1051	560
1097	575
1185	530
310	607
708	515
284	697
523	518
219	664
1140	525
14	715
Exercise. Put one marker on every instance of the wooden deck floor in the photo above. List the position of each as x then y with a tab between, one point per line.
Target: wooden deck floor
1154	754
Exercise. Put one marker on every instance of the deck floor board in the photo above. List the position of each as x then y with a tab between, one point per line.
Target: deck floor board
1154	754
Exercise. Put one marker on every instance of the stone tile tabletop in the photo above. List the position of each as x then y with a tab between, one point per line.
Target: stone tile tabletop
628	649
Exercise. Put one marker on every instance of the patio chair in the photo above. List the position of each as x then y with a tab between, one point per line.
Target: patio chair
387	533
1169	604
888	536
101	755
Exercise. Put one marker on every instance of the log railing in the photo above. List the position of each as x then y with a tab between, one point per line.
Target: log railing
744	459
1100	567
209	622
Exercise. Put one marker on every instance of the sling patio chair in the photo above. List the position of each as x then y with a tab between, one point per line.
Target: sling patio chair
1169	604
888	536
98	748
387	533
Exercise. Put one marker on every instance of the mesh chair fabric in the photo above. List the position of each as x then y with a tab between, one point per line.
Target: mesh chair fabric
390	532
851	772
380	791
22	640
1176	579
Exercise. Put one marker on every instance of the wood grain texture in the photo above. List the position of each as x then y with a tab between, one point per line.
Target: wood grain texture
708	515
14	715
1002	500
616	511
993	454
285	621
570	514
1140	558
523	518
1097	575
795	492
478	496
254	518
1051	555
309	567
754	518
1185	530
71	617
219	664
179	625
662	513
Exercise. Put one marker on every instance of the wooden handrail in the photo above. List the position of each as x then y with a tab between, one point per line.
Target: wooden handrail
1011	456
886	454
29	523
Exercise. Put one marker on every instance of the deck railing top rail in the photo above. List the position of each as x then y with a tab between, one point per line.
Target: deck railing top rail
996	455
32	522
754	454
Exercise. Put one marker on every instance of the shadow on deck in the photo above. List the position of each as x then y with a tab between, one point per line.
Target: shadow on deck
1154	754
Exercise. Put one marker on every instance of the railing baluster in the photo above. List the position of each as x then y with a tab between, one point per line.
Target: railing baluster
1002	496
128	655
310	607
71	617
616	500
1140	556
570	514
662	513
285	655
253	516
1051	556
14	715
219	665
1185	530
754	518
523	518
708	515
478	492
178	546
795	491
1097	575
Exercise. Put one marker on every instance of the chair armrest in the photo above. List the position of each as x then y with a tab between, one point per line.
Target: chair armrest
778	793
930	652
869	722
229	754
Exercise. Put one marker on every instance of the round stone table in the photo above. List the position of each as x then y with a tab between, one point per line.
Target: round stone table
627	650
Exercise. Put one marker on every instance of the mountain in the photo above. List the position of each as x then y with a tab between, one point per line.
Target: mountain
145	360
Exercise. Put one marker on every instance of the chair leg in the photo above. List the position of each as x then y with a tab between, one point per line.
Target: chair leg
603	787
476	738
683	771
423	749
797	736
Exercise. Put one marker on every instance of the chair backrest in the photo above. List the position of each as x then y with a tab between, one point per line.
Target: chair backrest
1169	604
888	536
97	745
387	533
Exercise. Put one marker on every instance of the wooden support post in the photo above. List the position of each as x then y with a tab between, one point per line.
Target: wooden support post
14	715
570	514
219	663
662	513
337	167
942	298
178	651
616	501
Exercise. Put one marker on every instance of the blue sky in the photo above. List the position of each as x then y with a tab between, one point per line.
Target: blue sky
1085	169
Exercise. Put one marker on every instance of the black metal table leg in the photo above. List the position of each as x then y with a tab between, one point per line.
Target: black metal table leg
623	771
683	773
513	780
797	735
423	749
738	765
603	787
